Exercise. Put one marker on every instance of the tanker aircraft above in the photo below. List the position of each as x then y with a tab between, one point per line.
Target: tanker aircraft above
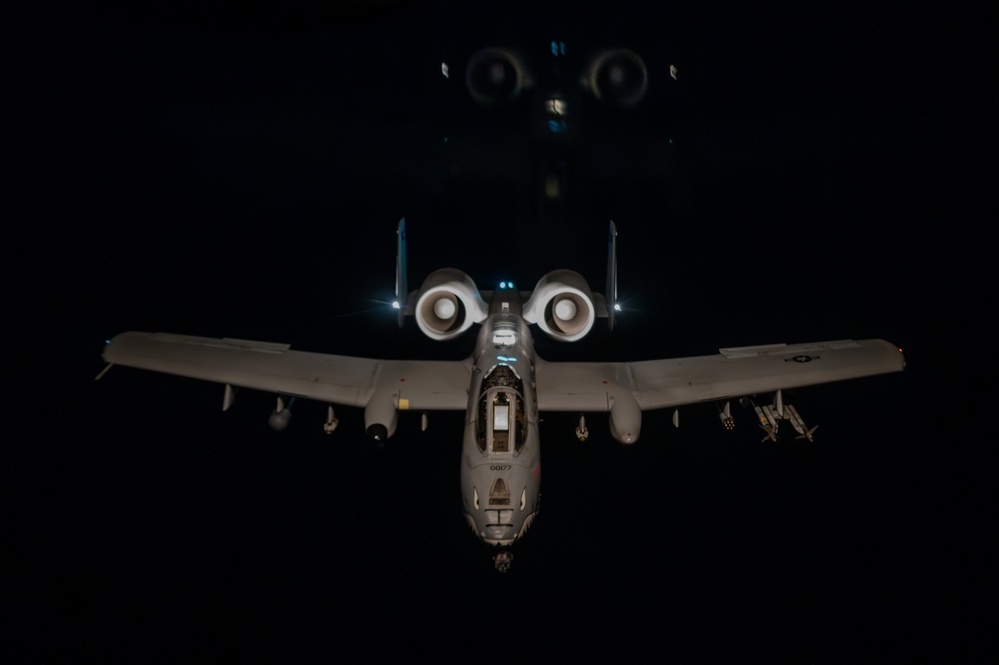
504	386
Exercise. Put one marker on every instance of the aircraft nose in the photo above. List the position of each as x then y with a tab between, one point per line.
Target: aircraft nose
499	532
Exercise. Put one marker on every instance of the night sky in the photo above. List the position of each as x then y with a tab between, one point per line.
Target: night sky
811	174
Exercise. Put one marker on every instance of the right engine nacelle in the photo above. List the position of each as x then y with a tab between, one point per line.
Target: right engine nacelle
562	306
449	304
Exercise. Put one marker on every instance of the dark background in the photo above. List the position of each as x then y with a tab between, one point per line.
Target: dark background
238	170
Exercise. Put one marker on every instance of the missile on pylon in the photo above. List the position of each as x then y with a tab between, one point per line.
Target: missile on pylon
767	421
799	425
772	417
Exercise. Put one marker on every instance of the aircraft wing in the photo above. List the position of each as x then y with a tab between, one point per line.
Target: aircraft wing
346	380
732	373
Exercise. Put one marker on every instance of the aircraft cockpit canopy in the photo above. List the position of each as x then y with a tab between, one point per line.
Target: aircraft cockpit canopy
500	417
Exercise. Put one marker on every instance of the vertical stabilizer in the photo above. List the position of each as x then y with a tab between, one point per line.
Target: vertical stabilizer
401	287
610	294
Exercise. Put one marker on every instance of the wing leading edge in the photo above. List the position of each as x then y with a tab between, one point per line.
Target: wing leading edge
346	380
734	372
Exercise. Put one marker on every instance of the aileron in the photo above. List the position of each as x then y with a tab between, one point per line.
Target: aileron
665	383
345	380
734	372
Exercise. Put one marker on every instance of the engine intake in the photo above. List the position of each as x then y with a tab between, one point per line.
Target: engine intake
617	77
448	305
495	75
562	306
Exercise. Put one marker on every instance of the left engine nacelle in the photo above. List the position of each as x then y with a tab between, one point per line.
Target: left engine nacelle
448	305
562	306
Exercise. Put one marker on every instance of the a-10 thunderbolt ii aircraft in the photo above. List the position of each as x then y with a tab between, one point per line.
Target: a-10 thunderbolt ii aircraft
504	386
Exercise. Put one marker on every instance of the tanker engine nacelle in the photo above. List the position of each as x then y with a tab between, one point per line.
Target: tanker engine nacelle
562	306
496	75
448	305
616	77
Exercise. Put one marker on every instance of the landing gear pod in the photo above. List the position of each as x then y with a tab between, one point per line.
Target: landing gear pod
381	416
625	417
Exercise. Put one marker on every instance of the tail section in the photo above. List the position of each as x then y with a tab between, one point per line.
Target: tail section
401	286
561	303
610	294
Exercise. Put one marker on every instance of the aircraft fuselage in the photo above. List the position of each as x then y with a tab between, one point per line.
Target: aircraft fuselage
501	451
